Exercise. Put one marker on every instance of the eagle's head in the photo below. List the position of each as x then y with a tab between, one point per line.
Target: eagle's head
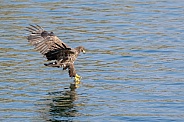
80	49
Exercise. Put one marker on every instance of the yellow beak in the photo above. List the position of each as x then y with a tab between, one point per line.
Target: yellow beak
83	51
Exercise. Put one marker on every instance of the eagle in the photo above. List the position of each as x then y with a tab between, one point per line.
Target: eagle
49	45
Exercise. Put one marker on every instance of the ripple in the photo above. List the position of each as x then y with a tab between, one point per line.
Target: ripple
132	71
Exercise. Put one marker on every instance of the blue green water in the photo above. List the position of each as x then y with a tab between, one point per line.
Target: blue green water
133	68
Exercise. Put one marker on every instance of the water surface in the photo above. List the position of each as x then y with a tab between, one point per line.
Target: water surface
133	69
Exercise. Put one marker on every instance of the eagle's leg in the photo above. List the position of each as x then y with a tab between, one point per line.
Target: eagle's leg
77	79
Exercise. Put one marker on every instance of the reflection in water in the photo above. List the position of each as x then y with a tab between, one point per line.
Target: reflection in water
61	105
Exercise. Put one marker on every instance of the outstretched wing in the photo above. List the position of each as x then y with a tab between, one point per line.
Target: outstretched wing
48	44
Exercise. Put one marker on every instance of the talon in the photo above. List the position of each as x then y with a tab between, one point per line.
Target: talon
77	79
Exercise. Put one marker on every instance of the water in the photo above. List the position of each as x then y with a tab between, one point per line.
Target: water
133	69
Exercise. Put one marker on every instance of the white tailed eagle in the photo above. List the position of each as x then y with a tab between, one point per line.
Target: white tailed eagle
53	48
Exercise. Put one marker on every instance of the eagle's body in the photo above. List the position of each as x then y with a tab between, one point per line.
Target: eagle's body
54	49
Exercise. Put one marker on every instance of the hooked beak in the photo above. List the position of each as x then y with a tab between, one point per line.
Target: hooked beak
84	51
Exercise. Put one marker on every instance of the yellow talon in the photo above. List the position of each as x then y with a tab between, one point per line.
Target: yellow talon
77	79
78	76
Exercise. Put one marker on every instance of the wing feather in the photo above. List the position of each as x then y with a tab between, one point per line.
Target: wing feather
47	43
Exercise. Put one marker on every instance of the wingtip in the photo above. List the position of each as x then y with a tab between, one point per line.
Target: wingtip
39	27
36	26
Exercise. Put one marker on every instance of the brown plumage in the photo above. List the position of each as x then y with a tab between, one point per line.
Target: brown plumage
54	49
